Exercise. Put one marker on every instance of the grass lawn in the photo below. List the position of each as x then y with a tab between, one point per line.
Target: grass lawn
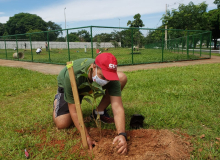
123	55
186	99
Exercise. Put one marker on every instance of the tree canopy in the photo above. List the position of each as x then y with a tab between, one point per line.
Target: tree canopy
137	22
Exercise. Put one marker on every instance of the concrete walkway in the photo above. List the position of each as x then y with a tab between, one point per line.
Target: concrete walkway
55	69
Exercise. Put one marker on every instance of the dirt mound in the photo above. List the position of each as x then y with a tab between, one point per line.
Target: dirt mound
142	144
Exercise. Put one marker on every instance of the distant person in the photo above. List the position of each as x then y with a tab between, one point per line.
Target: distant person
15	48
25	45
39	50
46	45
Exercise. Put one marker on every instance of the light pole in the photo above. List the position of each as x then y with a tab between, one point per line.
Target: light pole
119	31
65	22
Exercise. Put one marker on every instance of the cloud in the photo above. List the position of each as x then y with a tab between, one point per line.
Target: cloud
4	19
2	13
84	10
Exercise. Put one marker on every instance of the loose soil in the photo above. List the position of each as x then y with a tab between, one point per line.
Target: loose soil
142	144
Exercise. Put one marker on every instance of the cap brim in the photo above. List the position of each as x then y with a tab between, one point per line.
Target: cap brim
111	76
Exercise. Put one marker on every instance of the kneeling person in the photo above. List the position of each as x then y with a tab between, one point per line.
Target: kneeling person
102	70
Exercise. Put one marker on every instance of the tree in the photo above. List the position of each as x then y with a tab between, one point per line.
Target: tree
24	22
187	17
137	22
84	35
39	36
214	23
217	2
73	37
53	26
2	29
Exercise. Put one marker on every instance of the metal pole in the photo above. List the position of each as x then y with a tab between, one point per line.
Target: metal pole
162	47
31	50
200	45
5	50
193	45
48	45
210	44
68	44
187	45
65	22
132	46
91	41
166	31
17	46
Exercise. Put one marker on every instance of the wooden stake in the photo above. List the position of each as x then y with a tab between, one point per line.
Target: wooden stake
78	105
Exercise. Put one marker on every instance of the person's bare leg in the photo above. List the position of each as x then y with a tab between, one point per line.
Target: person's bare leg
106	98
62	121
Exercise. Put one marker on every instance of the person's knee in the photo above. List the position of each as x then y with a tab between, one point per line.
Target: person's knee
63	121
122	78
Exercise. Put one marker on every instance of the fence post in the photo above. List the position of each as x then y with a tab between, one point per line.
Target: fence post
31	49
210	49
162	45
200	44
48	45
6	56
17	46
68	44
187	45
91	40
193	45
132	46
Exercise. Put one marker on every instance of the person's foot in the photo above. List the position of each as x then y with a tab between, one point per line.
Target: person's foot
105	118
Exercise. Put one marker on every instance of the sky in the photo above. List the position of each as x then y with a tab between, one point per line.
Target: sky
79	13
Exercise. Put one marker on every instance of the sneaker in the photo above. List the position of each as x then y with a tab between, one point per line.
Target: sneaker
105	118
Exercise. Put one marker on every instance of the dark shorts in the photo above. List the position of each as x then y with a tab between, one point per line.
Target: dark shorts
62	106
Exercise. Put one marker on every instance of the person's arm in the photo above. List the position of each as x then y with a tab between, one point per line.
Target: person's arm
119	117
74	116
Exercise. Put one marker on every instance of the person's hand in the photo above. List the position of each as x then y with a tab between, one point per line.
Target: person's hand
90	142
121	144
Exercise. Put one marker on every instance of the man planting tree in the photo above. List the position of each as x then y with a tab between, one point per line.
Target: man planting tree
102	70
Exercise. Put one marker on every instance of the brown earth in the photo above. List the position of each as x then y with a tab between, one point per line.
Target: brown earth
142	144
55	69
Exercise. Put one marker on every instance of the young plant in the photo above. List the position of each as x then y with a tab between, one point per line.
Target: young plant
95	92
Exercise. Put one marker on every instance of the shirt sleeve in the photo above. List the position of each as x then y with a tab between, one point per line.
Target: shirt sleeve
68	94
114	88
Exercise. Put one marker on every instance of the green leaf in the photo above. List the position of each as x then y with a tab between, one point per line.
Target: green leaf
88	100
83	85
96	86
96	95
86	94
82	75
84	62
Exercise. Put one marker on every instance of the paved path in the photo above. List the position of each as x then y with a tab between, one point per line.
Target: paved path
55	69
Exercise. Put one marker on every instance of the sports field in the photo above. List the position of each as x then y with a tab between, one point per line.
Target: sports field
123	55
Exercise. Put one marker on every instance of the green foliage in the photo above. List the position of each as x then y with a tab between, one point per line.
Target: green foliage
61	39
217	2
24	22
53	26
2	29
137	22
73	37
97	91
36	36
187	17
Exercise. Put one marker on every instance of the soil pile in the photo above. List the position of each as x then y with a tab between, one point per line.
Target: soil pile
142	144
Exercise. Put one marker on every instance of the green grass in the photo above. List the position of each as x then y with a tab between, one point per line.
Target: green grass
176	98
123	55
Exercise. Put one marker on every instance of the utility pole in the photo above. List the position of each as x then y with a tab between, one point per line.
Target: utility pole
166	31
119	31
65	22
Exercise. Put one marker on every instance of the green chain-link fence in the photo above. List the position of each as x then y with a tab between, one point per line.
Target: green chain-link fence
129	45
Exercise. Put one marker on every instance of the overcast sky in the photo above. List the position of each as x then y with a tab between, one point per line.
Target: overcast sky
93	12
